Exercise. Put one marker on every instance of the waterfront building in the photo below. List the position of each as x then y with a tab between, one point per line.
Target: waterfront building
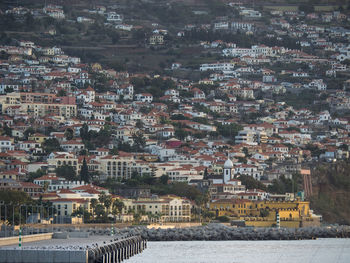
263	213
169	208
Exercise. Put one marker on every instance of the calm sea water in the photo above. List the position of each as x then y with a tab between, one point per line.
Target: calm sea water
299	251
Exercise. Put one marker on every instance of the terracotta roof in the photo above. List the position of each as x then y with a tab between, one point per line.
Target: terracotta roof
77	200
30	185
65	191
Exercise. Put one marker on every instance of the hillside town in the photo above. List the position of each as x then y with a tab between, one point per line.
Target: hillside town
100	144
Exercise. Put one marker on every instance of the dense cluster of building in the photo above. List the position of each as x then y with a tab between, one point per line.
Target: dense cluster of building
48	96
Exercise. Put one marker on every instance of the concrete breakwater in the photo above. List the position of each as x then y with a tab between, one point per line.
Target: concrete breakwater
116	251
112	250
221	232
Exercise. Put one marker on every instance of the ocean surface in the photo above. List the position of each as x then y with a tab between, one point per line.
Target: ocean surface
298	251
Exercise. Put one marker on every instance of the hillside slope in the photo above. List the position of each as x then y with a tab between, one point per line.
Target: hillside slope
331	192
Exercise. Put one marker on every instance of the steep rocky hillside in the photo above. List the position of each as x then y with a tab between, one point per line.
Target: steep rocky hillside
331	192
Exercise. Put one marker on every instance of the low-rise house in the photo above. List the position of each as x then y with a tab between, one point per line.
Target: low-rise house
144	97
250	170
73	146
156	39
6	144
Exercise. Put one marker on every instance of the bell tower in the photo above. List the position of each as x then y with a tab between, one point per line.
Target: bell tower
228	171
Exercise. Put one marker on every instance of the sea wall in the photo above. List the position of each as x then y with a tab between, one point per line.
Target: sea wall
222	232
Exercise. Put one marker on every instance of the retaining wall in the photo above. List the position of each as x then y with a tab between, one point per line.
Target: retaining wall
7	241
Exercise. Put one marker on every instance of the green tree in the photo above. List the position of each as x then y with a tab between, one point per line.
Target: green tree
16	197
84	172
51	145
251	183
106	200
33	175
137	217
69	134
139	124
7	130
114	151
181	134
306	7
118	206
264	212
61	93
139	141
113	35
28	132
100	211
164	179
229	131
277	187
84	132
93	204
205	176
81	212
67	172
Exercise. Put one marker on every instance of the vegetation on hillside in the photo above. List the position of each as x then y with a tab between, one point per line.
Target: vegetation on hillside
158	186
331	192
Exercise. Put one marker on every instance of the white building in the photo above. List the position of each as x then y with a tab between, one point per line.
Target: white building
114	17
6	144
144	97
219	66
244	26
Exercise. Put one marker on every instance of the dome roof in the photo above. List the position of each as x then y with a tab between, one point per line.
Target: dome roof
228	164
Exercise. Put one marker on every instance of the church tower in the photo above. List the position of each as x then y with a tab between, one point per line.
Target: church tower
228	171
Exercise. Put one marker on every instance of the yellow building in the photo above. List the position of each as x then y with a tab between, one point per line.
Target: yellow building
66	206
38	109
13	98
42	109
62	158
156	39
233	207
37	137
264	213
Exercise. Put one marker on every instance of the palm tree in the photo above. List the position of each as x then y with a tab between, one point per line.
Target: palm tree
201	202
93	203
118	207
137	217
106	200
